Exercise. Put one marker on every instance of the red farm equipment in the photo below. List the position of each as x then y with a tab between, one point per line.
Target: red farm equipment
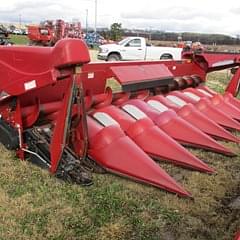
56	111
237	237
49	32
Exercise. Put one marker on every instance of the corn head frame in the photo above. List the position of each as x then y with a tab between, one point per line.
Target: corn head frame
56	111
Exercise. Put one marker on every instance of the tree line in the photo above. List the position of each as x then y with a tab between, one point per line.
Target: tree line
204	38
116	32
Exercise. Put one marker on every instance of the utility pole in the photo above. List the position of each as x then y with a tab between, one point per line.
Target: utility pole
86	21
95	27
150	34
20	21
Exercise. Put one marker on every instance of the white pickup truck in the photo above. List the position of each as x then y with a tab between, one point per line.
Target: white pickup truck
136	48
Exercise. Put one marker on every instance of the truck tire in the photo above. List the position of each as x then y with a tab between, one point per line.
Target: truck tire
113	57
166	56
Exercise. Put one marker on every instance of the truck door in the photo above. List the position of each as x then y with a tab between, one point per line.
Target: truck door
133	50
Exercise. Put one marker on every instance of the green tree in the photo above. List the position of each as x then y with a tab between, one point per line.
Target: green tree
116	31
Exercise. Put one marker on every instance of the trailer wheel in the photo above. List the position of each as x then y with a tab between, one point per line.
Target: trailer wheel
166	56
113	57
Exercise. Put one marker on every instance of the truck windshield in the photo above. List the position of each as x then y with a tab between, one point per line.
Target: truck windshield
122	42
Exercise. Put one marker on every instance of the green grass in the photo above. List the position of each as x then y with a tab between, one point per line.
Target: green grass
19	39
36	205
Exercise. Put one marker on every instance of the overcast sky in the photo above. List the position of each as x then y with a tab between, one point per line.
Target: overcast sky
207	16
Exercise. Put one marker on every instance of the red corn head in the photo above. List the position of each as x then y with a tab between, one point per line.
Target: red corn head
169	121
231	99
189	113
237	237
150	138
207	89
205	106
228	97
117	153
218	102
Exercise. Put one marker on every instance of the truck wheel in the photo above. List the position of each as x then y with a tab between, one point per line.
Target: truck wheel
113	57
166	56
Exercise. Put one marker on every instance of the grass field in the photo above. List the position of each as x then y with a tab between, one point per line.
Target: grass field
19	39
35	205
